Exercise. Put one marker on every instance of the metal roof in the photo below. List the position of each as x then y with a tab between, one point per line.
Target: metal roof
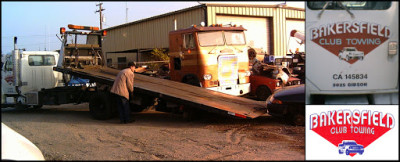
201	6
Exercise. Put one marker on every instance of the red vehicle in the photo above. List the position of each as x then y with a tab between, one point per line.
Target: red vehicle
271	78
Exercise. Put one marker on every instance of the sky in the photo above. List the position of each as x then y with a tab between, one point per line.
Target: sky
37	23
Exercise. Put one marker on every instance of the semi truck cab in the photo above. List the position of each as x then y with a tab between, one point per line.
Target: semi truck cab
213	57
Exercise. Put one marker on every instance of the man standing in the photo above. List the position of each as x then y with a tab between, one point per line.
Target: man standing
122	87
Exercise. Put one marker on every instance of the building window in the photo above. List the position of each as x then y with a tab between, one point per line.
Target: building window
109	62
121	59
121	62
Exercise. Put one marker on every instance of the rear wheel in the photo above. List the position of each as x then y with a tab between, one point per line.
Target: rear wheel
100	106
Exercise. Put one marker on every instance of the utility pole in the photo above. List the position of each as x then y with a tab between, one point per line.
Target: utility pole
101	16
126	16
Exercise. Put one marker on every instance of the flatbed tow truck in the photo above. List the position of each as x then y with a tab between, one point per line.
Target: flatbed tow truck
147	90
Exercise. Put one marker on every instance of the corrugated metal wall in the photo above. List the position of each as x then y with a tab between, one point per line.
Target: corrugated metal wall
149	33
278	15
153	32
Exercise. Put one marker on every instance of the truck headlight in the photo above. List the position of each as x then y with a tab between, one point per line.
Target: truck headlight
207	76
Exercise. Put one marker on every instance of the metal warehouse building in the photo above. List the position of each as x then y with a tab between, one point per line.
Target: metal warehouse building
268	27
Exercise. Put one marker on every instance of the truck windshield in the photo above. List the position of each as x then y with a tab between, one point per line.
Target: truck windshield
235	38
214	38
351	5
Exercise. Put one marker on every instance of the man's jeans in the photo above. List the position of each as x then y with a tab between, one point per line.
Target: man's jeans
124	109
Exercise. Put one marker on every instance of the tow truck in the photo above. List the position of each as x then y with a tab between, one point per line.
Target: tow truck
86	60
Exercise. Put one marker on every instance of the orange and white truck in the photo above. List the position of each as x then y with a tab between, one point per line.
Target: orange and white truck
213	57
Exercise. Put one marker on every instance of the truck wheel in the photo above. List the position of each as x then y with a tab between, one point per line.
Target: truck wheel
263	93
100	106
347	58
347	152
362	58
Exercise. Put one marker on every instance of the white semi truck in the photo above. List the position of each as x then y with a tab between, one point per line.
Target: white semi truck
25	73
332	77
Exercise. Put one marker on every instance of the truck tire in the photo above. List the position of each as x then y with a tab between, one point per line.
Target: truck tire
100	106
262	93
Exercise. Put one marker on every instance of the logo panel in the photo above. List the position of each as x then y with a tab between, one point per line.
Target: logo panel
350	41
351	130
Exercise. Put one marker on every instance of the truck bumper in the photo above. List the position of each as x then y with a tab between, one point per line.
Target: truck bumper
235	90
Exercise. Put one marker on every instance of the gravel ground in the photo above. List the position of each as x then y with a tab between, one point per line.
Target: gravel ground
68	132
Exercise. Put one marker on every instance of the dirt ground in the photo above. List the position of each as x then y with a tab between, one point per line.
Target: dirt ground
69	133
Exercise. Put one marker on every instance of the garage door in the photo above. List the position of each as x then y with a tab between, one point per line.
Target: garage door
257	34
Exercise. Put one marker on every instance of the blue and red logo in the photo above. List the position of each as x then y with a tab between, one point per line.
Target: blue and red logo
351	130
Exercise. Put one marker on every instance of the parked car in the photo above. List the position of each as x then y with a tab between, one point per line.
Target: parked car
269	79
15	147
288	102
350	146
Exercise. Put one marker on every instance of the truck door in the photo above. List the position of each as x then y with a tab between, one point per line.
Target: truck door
371	27
185	59
38	72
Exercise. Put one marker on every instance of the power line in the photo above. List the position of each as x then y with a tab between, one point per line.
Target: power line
28	44
28	36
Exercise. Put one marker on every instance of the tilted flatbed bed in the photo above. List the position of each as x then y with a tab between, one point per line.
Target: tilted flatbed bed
179	93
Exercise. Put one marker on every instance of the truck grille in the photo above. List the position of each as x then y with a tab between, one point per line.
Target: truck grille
228	69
